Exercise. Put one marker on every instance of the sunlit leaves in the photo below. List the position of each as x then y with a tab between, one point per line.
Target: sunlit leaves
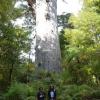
82	51
6	9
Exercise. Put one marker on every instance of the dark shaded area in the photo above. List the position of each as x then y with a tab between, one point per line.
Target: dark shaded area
63	21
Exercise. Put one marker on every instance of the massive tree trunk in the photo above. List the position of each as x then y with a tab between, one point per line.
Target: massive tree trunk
47	40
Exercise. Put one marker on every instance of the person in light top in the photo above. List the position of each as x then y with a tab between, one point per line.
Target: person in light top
51	93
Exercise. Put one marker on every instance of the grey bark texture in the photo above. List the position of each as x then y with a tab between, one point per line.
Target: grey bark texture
47	40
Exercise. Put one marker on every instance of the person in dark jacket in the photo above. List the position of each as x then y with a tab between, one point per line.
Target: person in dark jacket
41	94
51	93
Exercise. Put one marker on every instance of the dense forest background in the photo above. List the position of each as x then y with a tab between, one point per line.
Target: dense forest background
80	50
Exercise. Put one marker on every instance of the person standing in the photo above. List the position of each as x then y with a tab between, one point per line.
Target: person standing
51	93
41	94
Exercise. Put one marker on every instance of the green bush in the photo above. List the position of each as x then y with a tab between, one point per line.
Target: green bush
17	91
65	90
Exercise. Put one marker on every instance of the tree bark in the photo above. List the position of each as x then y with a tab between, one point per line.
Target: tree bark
10	73
47	40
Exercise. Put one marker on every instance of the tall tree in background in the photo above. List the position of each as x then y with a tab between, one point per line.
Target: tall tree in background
47	41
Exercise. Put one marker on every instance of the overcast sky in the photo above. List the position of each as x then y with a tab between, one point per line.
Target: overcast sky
65	6
69	6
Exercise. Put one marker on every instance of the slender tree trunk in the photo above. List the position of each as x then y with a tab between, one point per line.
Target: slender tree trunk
10	73
47	41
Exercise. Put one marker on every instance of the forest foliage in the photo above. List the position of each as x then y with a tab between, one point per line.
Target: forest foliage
80	50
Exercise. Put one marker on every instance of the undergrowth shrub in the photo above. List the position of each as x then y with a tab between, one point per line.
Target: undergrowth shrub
65	90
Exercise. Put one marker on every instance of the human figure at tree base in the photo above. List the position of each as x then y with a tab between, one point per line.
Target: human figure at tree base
41	94
51	93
